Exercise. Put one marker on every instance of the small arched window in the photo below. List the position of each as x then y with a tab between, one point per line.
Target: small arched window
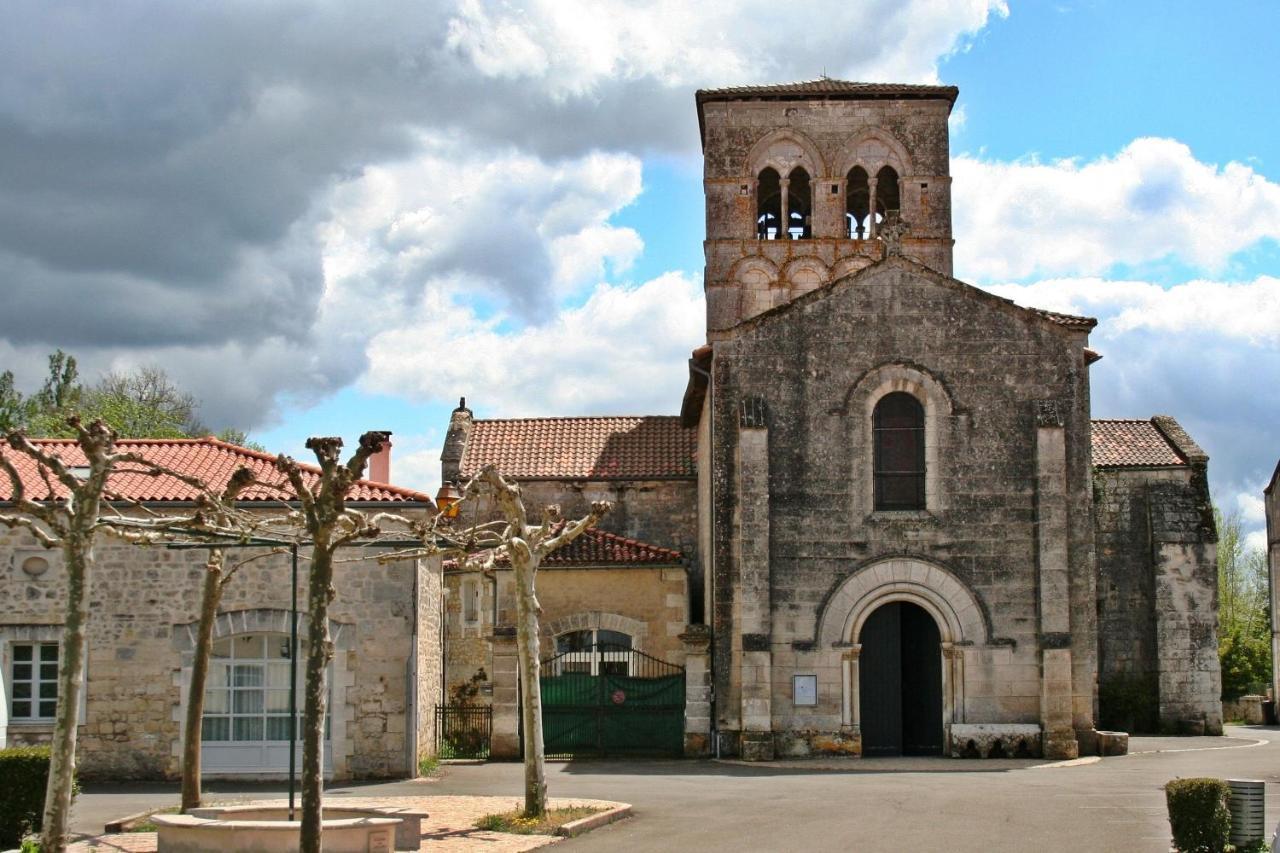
769	205
888	197
799	205
898	423
594	651
857	202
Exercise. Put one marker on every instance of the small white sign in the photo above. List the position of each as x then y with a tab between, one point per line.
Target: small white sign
804	689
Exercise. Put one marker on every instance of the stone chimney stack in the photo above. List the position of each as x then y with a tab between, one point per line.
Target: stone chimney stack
380	464
455	442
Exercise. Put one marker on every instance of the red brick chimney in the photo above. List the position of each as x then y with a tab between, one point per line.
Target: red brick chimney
380	464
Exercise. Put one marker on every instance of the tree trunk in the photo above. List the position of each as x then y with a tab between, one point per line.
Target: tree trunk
535	778
77	551
319	651
210	598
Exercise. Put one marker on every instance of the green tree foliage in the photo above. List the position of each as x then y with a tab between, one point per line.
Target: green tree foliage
141	403
1244	617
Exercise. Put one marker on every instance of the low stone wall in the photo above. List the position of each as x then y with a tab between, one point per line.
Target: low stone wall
190	834
408	833
995	740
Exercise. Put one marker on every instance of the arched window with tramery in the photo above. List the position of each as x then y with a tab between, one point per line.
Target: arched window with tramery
799	197
899	452
768	205
857	203
888	197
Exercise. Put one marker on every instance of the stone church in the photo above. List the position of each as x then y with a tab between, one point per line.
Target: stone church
884	511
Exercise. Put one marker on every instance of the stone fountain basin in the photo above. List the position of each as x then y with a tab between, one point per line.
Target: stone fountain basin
254	828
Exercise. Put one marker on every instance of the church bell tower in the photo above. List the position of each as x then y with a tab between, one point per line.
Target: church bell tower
809	182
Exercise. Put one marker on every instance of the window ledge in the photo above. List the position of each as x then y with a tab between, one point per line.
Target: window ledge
892	515
33	725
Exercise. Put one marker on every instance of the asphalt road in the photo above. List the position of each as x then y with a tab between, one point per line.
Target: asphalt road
858	804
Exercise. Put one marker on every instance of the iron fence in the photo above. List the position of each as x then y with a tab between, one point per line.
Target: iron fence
463	731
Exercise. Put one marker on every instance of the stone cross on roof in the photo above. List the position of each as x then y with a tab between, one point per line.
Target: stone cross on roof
891	231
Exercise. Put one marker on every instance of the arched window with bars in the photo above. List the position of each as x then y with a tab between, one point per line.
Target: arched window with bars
899	458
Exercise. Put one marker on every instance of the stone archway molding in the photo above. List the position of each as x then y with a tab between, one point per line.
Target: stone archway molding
960	617
598	619
259	620
961	621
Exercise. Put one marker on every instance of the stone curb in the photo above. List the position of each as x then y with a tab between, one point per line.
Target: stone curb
124	824
575	828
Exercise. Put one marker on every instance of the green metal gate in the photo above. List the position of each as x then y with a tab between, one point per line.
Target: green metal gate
607	699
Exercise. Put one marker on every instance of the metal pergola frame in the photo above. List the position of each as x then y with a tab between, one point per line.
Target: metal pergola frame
232	541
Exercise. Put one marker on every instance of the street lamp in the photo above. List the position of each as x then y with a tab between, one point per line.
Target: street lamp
447	499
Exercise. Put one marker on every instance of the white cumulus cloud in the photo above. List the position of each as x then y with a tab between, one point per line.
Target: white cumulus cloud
1152	201
618	353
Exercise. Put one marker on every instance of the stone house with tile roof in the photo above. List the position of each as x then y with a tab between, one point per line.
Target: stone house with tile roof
903	531
386	675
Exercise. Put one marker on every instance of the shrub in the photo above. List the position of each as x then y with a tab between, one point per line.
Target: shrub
24	773
1198	814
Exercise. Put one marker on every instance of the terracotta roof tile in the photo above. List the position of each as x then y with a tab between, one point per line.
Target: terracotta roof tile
651	447
209	459
1068	320
600	548
1132	444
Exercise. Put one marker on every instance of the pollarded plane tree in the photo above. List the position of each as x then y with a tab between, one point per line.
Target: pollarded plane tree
75	504
512	539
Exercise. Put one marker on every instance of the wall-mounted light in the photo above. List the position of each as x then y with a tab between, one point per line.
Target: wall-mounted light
447	500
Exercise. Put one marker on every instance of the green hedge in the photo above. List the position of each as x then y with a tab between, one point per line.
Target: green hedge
24	772
1199	814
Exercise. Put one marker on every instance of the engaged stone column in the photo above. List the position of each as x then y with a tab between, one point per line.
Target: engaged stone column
751	538
697	690
1054	583
505	741
784	229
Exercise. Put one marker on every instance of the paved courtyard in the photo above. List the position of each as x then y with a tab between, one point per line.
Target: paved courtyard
857	804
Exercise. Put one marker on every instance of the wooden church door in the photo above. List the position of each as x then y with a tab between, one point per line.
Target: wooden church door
900	682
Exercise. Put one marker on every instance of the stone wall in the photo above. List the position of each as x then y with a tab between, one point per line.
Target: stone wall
983	369
650	604
659	512
1128	659
1158	599
144	600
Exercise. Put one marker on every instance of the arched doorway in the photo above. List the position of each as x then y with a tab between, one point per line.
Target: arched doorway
900	682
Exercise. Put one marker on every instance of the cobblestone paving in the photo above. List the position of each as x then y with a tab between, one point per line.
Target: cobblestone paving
448	826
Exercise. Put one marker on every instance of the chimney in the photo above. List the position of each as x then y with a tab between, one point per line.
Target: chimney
455	442
380	464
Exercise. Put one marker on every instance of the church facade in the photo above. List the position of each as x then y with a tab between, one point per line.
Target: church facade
902	531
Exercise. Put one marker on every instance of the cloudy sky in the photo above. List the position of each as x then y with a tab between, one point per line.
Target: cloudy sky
325	217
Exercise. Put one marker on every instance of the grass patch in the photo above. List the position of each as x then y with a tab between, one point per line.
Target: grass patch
428	765
514	823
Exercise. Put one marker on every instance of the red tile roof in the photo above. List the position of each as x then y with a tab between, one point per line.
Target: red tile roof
209	459
1071	321
1132	444
598	548
653	447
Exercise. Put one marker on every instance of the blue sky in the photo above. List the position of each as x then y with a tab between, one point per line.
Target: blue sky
367	216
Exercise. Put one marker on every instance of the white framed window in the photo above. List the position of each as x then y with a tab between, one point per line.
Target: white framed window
246	699
33	682
593	651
